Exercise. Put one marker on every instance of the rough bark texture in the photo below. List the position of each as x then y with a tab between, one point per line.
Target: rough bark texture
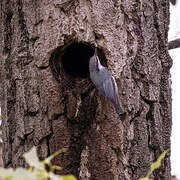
43	106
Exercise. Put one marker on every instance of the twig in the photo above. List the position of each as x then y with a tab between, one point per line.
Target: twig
174	44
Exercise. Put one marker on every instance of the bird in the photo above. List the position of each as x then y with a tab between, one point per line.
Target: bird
104	82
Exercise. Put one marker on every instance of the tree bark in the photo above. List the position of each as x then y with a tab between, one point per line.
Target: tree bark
174	44
49	101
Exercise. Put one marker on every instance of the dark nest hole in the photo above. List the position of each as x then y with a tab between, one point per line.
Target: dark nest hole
70	64
75	60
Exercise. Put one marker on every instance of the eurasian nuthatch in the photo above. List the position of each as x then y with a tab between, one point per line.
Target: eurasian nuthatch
104	82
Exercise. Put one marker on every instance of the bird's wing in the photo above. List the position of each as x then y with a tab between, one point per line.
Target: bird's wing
113	95
110	91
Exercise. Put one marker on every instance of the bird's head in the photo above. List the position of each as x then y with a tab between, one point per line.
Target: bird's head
94	63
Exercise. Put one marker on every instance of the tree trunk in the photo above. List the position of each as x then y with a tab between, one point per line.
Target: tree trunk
49	101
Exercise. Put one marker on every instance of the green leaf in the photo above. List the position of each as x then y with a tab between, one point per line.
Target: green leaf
6	173
40	175
54	177
157	163
32	159
23	174
69	177
54	167
48	160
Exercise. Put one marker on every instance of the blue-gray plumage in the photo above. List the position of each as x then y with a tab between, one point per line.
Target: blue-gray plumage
104	82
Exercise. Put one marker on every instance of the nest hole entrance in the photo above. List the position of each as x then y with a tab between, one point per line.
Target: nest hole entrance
75	60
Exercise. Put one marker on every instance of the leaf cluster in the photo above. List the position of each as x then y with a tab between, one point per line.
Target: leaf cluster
37	169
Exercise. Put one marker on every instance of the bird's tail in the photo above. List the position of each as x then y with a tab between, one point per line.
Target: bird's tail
119	110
